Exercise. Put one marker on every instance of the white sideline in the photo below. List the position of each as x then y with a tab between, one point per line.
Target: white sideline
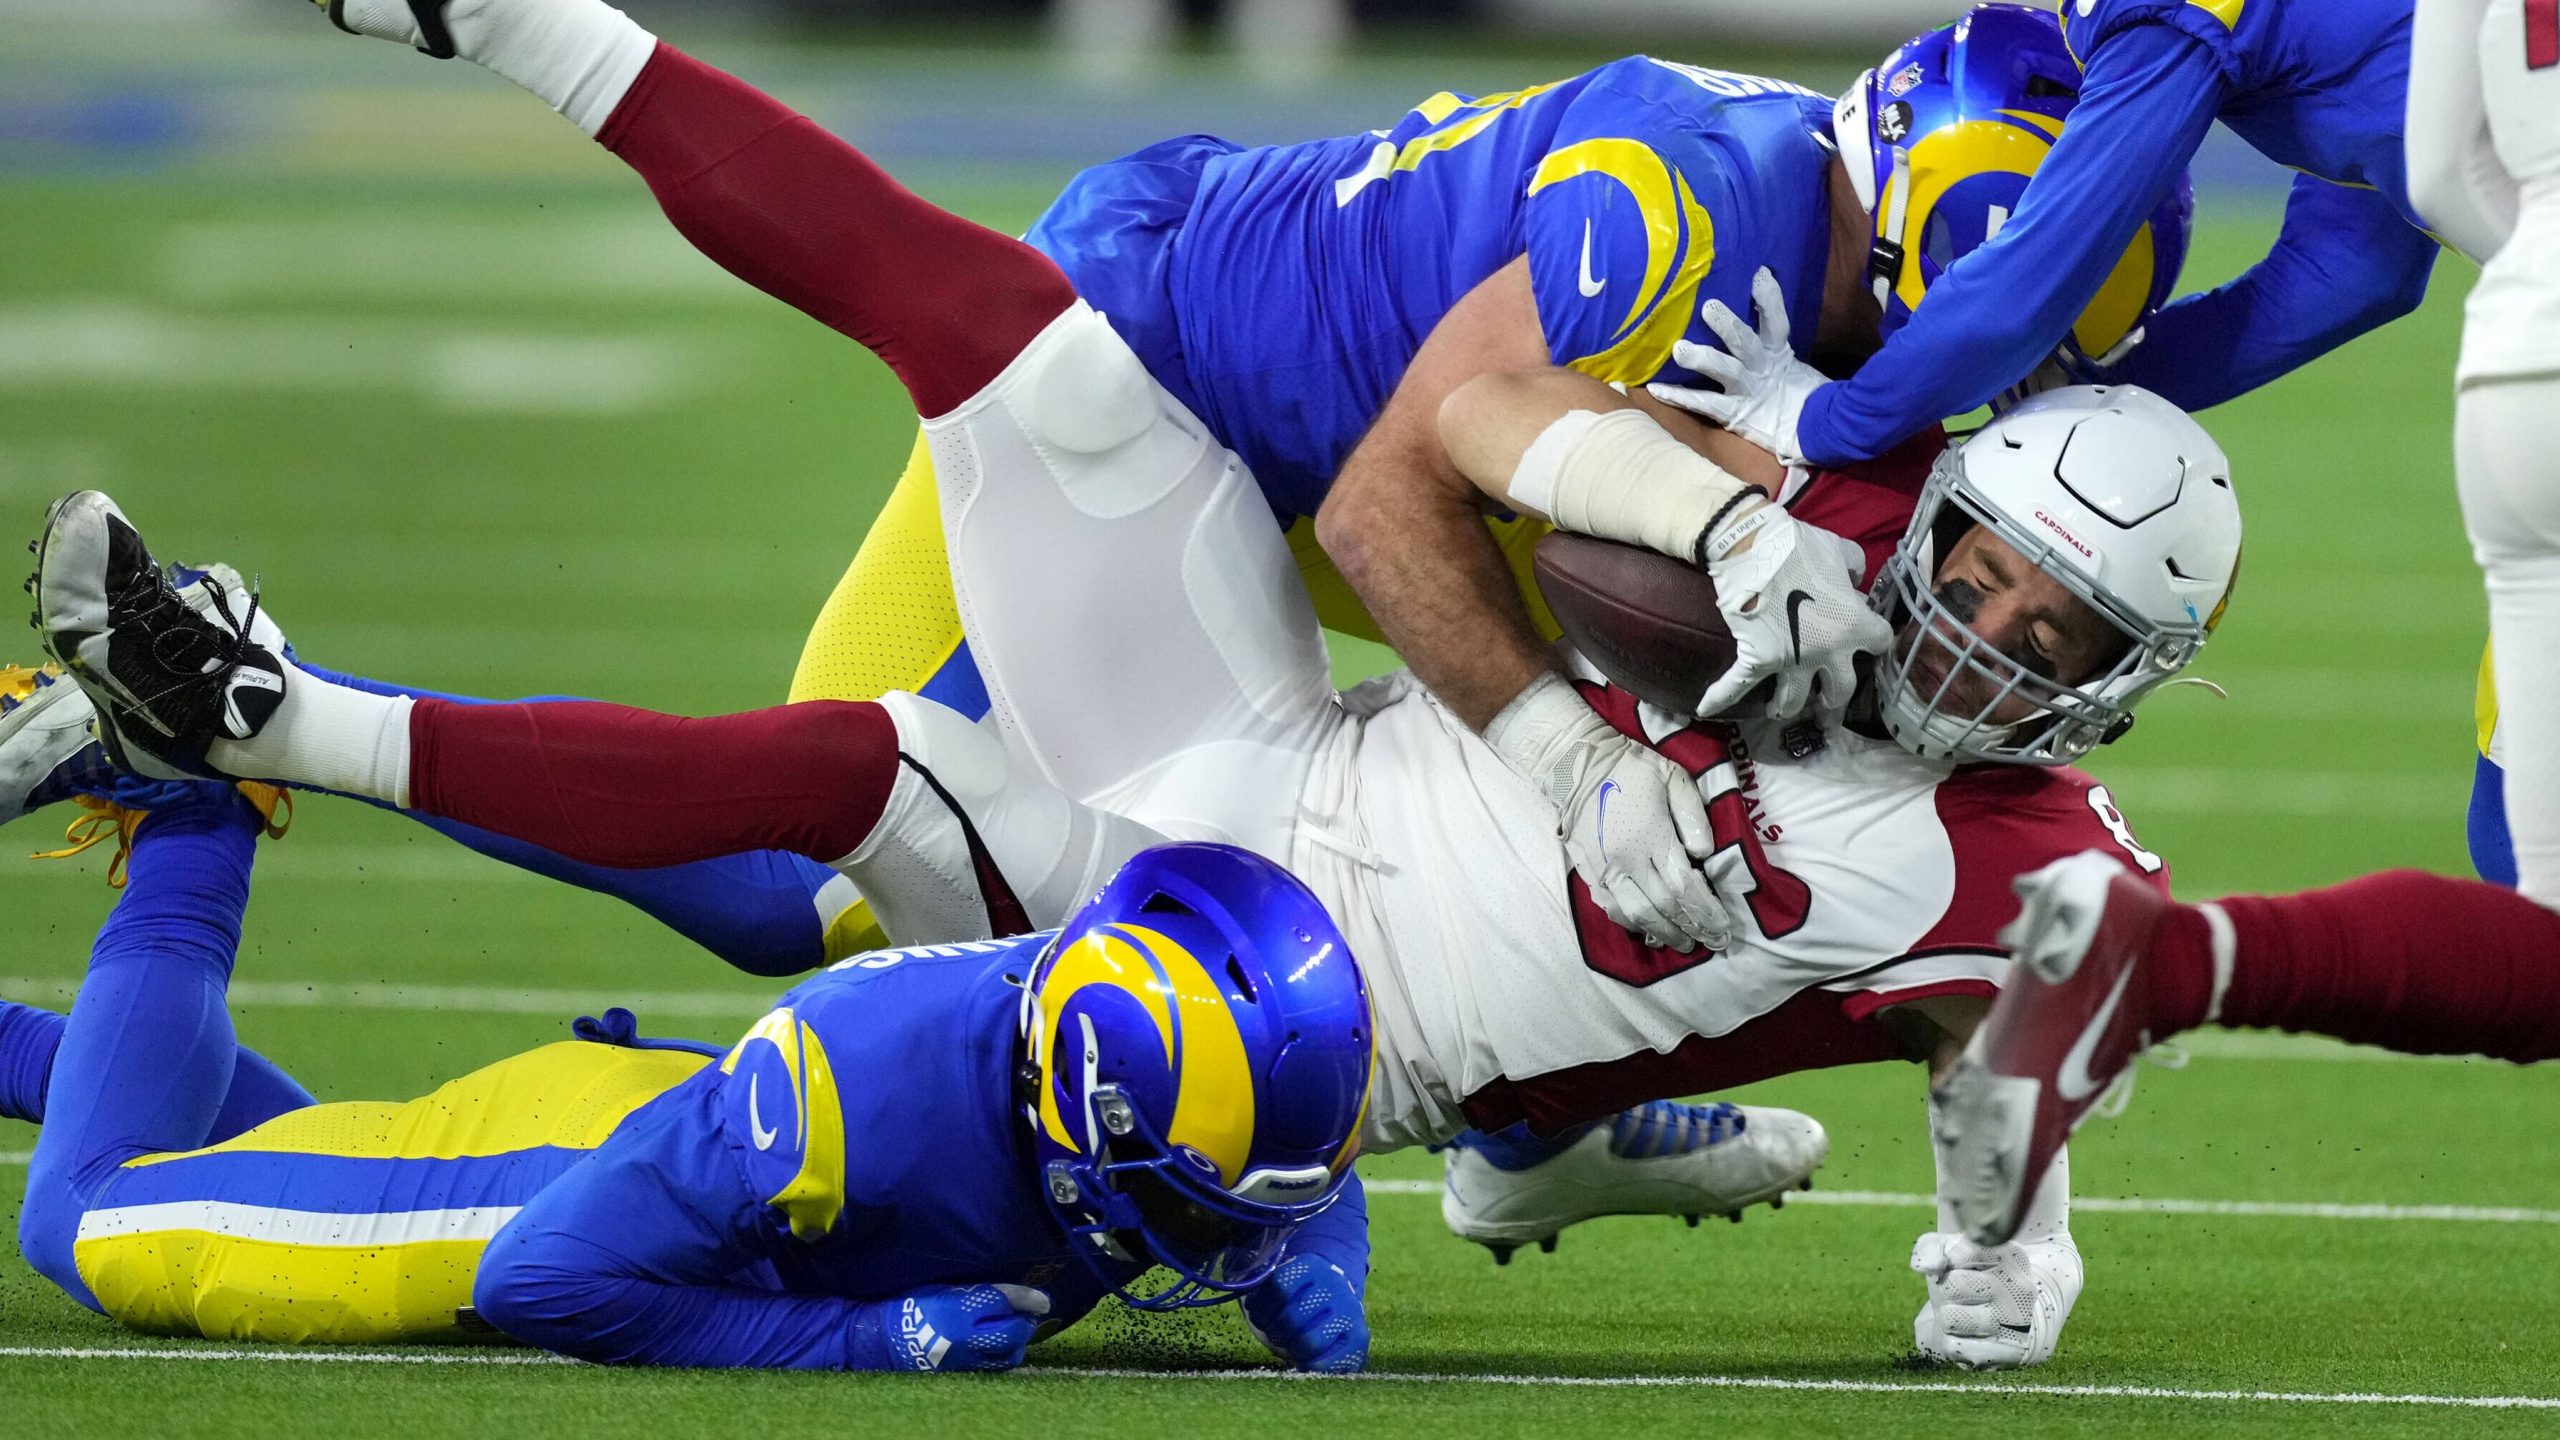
1634	1382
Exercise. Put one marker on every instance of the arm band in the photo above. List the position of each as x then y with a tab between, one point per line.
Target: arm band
1622	477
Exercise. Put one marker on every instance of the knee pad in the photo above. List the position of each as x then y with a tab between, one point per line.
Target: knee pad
1112	438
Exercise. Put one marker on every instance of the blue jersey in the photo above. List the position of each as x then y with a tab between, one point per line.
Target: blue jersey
2318	85
1281	292
862	1141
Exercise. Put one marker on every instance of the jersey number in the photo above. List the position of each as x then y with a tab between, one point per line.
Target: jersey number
1779	900
2541	34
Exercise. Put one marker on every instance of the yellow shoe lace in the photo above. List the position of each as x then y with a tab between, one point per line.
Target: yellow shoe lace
108	820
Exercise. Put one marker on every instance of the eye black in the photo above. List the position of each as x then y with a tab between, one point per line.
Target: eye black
1961	599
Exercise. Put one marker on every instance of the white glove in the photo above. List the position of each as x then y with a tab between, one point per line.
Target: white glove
1994	1307
1792	602
1633	823
1765	385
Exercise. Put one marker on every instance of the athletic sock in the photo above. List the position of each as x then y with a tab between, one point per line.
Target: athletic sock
2419	963
804	217
328	737
610	785
579	56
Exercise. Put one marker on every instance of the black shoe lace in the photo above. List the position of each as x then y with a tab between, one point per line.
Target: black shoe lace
209	644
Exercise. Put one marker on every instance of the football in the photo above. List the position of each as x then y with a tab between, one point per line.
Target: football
1646	621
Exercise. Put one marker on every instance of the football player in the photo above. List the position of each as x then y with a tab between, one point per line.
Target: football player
1870	866
2321	89
963	1150
2371	961
1579	222
737	173
1641	155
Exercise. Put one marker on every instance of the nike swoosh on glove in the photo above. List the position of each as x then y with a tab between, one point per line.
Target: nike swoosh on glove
966	1327
1310	1314
1994	1307
1633	823
1765	384
1790	597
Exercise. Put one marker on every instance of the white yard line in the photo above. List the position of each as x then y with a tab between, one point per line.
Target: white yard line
58	990
2133	1205
469	999
1609	1382
2087	1204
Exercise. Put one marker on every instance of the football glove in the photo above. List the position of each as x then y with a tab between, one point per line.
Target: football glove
1309	1314
1790	597
1633	823
1764	385
965	1327
1994	1307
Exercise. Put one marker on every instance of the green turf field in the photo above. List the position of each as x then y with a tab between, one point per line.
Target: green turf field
506	435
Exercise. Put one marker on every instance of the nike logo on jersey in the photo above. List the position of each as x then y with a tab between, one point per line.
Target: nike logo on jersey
2074	1080
1591	285
1796	600
755	1114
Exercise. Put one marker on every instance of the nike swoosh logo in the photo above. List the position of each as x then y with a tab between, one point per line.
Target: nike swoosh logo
1600	822
2074	1081
755	1115
1590	285
1796	601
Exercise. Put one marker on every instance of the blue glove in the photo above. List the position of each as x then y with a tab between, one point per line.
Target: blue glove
975	1327
1309	1313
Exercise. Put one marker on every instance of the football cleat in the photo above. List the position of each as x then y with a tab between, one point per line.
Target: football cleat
1664	1158
2072	1018
46	751
48	755
169	675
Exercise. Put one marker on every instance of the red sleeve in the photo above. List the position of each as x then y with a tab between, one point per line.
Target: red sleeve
1870	503
2005	821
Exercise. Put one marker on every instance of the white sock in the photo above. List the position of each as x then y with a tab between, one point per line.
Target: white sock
580	56
327	736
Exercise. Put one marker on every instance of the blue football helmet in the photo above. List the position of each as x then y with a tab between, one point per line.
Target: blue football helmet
1940	141
1197	1046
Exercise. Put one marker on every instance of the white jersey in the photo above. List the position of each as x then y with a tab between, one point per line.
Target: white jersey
1155	670
1862	875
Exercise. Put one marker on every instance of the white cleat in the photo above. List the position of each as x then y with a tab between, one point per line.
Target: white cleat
1664	1158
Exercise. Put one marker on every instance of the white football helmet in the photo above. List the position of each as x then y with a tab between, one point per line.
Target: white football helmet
2117	495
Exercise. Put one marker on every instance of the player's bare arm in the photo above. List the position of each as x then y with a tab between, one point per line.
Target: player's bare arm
1406	528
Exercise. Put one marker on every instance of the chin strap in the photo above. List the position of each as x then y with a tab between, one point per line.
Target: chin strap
1884	262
